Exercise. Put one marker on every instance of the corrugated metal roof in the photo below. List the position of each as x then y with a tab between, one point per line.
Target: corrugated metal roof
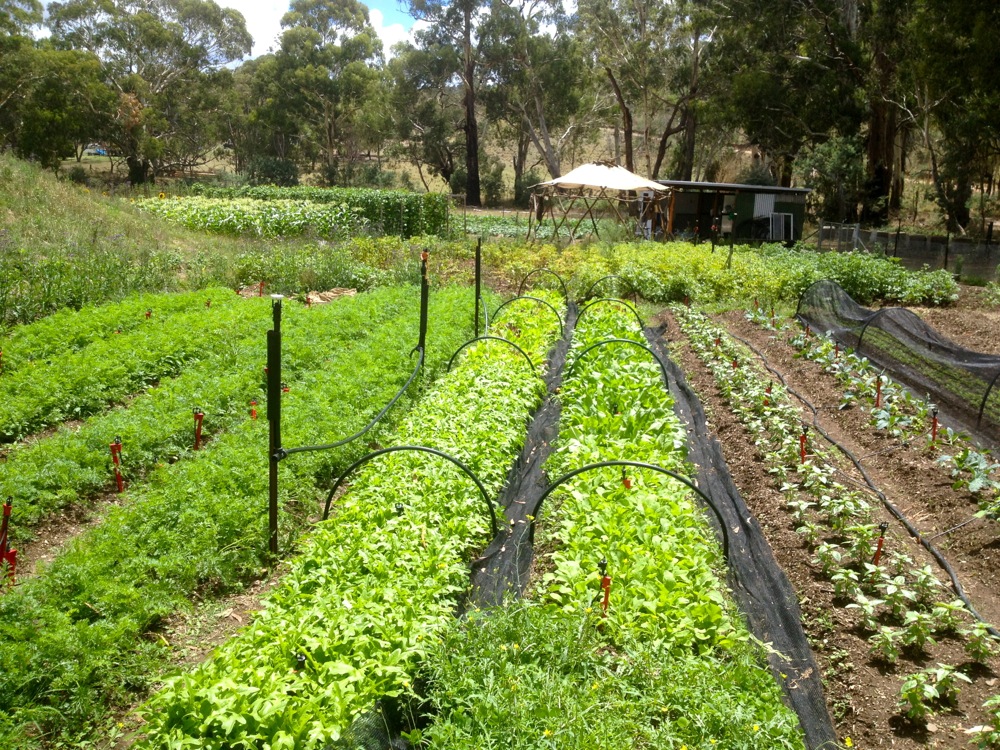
731	187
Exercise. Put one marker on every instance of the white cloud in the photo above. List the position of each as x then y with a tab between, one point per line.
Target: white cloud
263	21
264	24
391	34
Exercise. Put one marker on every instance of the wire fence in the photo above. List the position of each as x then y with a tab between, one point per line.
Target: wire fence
970	258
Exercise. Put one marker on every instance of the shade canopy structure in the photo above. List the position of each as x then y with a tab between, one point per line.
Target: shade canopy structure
629	197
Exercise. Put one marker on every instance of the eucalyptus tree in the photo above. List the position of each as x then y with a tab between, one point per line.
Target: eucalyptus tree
651	54
455	24
535	80
426	107
952	96
790	68
328	66
18	16
153	53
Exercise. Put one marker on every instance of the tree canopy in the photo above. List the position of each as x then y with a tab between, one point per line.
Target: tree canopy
847	94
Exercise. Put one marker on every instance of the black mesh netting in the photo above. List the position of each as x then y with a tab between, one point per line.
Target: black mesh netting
759	585
961	382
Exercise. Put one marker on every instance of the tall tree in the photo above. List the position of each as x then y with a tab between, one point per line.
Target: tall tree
791	69
426	107
650	53
18	16
50	99
535	79
152	52
958	115
455	23
328	64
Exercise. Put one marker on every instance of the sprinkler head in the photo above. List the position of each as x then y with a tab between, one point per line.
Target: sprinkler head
883	527
399	509
602	565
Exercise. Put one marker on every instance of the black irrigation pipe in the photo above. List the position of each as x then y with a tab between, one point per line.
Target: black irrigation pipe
562	330
520	287
898	514
490	338
420	449
285	452
663	367
639	465
631	287
611	299
276	451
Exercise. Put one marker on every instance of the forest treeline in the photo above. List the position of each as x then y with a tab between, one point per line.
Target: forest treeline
842	92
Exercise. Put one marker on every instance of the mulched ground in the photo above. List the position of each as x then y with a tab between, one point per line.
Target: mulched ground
861	693
971	322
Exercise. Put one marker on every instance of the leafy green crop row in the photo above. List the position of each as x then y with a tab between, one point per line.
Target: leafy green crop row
284	218
667	272
157	426
69	330
672	665
386	211
79	638
352	621
83	382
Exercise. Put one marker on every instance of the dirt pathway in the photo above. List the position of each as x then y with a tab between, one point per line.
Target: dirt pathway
862	694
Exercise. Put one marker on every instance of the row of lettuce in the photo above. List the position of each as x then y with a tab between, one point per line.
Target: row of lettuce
79	639
672	665
377	584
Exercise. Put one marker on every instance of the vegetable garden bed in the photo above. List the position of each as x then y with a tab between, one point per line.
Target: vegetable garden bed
79	639
872	657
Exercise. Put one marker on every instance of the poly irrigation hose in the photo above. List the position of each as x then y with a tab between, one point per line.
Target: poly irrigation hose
913	531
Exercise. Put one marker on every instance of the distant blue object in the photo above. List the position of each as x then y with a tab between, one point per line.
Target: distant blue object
100	152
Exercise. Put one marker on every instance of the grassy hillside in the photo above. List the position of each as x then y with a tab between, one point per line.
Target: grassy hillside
64	245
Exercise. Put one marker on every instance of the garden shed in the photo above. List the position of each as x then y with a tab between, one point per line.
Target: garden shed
747	212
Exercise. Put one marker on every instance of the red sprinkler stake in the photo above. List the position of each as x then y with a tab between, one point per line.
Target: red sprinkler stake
626	482
802	444
605	587
253	410
718	341
285	388
116	458
149	314
883	527
1	360
808	331
934	425
8	556
767	395
756	306
687	301
878	392
309	301
736	364
199	415
260	290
